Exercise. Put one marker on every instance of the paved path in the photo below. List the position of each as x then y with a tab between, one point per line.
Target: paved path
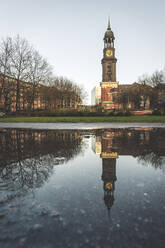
80	125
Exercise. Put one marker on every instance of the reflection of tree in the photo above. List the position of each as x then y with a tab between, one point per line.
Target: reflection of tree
154	159
30	173
28	156
145	144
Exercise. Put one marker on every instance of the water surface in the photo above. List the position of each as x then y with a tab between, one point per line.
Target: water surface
97	188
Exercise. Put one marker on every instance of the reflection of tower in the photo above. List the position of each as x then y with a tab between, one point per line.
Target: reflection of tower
108	156
109	178
105	145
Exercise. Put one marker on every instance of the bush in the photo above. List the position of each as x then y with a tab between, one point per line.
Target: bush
112	113
69	112
118	113
127	113
156	112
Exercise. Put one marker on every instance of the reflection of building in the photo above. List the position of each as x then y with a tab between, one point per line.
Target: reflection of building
96	144
109	178
108	155
143	143
107	145
18	145
27	157
103	145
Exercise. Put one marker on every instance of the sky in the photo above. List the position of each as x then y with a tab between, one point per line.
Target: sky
69	33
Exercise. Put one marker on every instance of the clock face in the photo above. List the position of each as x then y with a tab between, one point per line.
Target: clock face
109	53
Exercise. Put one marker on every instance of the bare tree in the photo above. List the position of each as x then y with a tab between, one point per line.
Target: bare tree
39	72
29	75
67	93
145	89
157	78
5	68
152	87
157	81
20	62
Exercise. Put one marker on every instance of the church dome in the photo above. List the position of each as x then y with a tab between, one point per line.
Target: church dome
109	34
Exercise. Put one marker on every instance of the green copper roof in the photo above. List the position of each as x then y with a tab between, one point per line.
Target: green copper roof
107	102
107	138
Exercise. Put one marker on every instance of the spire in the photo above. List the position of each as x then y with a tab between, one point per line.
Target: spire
109	23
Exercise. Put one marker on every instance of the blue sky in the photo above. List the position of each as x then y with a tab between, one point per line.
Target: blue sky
70	35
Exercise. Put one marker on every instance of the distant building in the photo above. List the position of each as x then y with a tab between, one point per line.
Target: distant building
96	96
44	98
8	89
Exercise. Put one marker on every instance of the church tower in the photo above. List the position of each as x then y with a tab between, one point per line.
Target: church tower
108	71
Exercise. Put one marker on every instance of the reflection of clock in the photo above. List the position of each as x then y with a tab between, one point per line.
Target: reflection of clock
108	186
109	53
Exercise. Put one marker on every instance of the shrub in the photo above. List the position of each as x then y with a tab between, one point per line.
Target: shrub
156	112
127	113
118	113
112	113
69	112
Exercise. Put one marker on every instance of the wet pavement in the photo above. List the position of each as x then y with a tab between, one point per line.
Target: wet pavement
82	188
73	126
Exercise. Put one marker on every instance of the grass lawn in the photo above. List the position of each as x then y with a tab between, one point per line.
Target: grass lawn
144	118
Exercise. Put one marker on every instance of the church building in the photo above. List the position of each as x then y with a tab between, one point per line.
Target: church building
109	95
109	83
